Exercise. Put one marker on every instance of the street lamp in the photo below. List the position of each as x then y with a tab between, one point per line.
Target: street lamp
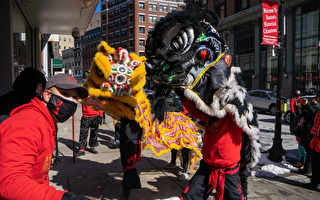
276	152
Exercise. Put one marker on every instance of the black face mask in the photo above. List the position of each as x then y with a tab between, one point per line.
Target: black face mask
61	108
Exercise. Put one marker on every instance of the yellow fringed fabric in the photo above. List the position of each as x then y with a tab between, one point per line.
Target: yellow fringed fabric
176	131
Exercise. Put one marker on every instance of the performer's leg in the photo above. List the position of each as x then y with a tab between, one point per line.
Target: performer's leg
93	141
185	159
130	133
173	156
315	179
232	186
317	169
84	129
198	187
243	173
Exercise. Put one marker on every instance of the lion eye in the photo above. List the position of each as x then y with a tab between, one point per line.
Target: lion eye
98	71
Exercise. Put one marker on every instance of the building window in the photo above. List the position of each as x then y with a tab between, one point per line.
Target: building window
124	21
141	43
117	23
111	25
110	14
131	6
124	32
131	18
306	52
244	52
124	9
141	18
124	45
163	8
141	5
131	30
117	11
152	7
241	5
161	17
221	10
117	34
131	43
142	30
152	19
21	34
173	8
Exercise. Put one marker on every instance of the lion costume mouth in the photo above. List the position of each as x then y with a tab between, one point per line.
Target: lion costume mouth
116	80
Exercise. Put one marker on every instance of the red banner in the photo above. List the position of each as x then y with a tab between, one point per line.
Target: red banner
269	22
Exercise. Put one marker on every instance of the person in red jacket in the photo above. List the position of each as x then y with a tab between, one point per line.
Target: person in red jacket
90	119
221	155
27	141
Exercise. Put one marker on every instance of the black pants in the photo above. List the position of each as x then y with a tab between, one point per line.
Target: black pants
93	124
243	174
185	158
315	160
130	135
199	188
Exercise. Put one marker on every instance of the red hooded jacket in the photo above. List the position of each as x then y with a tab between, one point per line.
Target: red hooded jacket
27	141
222	138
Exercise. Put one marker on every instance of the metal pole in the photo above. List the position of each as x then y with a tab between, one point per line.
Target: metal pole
276	153
73	145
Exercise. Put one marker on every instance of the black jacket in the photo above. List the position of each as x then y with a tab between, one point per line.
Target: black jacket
308	112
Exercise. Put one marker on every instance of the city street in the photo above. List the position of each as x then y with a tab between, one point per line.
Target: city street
98	176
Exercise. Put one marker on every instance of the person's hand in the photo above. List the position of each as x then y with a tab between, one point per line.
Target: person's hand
69	196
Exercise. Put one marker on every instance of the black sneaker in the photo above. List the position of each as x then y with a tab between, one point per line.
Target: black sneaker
93	150
80	153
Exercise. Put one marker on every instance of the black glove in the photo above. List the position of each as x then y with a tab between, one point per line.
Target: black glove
69	196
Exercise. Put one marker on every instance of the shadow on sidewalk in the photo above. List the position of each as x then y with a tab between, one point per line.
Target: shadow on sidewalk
103	139
272	131
68	143
284	180
106	137
103	180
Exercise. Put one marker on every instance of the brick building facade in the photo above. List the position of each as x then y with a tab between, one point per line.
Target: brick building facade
126	23
241	28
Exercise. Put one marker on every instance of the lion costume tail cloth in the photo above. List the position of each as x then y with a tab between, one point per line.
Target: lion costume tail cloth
115	84
185	50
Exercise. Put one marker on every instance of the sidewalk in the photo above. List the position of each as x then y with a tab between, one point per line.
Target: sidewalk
98	176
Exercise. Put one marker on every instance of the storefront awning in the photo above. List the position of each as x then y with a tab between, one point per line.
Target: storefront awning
59	16
56	63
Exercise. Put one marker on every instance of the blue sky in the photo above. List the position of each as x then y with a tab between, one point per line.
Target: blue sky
98	9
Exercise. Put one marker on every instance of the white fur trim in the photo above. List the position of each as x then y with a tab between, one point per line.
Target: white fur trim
220	107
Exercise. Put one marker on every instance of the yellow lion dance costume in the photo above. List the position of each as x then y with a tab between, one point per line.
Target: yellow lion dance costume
116	82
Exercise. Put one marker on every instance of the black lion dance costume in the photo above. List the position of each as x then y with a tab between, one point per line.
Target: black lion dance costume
186	53
115	83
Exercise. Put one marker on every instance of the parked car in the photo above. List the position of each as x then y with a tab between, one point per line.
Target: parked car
286	115
263	100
